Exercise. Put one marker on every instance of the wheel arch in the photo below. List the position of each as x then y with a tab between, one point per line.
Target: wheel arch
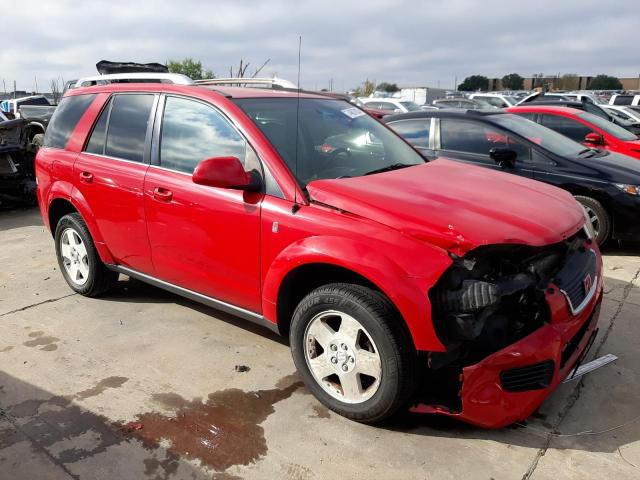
315	261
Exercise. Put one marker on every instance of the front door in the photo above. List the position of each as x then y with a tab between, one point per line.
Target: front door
202	238
470	141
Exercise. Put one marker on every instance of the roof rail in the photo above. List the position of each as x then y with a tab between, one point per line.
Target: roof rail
141	77
275	82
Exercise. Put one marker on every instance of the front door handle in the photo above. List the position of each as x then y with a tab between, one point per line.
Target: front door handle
162	194
86	177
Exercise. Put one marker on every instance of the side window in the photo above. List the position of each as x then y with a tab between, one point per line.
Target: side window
476	138
416	132
528	116
566	126
65	118
496	102
192	132
127	128
99	133
388	106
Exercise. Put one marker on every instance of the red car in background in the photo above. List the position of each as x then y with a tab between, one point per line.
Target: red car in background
304	214
583	127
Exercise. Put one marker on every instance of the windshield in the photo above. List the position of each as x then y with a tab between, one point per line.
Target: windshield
543	136
609	127
410	106
335	139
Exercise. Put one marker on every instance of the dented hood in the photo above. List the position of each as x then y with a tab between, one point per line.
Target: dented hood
457	206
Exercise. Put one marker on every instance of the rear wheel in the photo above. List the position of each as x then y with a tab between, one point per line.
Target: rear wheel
598	216
78	260
353	351
37	141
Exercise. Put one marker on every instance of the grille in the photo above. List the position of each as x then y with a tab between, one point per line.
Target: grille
572	345
531	377
577	279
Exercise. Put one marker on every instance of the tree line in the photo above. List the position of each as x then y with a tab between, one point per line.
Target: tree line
569	81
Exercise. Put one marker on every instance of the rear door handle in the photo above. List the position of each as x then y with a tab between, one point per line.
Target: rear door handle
162	194
86	177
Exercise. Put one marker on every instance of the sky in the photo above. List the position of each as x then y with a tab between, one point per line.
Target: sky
411	43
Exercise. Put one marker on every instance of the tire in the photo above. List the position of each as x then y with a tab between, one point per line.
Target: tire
342	307
78	259
601	220
37	141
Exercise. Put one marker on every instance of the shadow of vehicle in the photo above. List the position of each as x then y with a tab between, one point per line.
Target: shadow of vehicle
19	216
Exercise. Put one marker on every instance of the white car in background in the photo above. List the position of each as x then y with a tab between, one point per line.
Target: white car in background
624	112
625	99
394	105
495	99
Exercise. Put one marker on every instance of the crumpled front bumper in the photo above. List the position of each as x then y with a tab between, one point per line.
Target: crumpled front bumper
487	404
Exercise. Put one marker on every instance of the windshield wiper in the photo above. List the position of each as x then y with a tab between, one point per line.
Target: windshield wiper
388	168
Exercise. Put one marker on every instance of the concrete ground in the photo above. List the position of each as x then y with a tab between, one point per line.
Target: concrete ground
128	385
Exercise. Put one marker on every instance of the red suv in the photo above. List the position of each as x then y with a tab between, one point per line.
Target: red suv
583	127
451	288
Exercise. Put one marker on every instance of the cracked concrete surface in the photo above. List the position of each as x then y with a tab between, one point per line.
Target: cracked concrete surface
71	407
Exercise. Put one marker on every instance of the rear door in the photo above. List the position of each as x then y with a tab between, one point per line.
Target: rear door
204	239
471	141
109	174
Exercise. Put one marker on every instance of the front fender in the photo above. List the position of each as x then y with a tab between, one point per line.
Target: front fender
408	294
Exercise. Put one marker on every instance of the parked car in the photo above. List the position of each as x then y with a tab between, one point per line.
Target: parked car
587	106
463	103
391	105
17	180
305	215
624	112
12	106
624	99
583	127
496	99
606	184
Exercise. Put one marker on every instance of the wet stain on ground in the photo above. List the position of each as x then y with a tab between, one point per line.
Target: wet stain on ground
110	382
47	343
221	432
320	411
6	349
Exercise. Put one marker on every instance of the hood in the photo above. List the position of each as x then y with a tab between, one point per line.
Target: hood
615	167
456	206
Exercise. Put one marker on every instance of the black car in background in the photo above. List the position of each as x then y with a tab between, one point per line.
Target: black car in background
606	184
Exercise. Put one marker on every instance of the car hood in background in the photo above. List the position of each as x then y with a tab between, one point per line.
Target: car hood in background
455	206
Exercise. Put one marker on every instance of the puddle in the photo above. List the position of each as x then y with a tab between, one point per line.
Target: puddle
221	432
47	343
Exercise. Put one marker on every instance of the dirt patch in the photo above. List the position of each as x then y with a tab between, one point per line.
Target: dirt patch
320	411
221	432
6	349
46	342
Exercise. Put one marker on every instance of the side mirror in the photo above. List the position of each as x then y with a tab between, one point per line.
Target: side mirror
505	157
594	139
225	172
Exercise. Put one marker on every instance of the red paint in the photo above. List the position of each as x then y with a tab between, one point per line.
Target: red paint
611	143
395	229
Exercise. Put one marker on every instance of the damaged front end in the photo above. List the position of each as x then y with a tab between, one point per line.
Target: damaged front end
492	299
17	175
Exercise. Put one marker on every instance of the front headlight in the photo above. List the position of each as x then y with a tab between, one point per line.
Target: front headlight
588	226
630	189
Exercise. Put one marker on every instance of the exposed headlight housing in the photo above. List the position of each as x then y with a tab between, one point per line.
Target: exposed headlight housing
630	189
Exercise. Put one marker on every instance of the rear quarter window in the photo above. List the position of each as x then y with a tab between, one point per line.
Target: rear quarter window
65	118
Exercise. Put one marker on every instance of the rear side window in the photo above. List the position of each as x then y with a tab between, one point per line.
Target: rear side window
65	118
192	132
416	132
127	129
99	133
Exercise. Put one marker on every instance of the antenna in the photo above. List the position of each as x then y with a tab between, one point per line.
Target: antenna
295	193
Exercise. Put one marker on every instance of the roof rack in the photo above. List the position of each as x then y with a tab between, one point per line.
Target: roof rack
141	77
275	82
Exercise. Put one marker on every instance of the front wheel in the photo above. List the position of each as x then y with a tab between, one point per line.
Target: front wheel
598	217
353	351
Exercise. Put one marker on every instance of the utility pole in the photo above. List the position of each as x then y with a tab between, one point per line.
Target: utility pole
455	83
36	79
14	89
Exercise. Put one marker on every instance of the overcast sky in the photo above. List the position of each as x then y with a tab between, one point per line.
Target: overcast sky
424	42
